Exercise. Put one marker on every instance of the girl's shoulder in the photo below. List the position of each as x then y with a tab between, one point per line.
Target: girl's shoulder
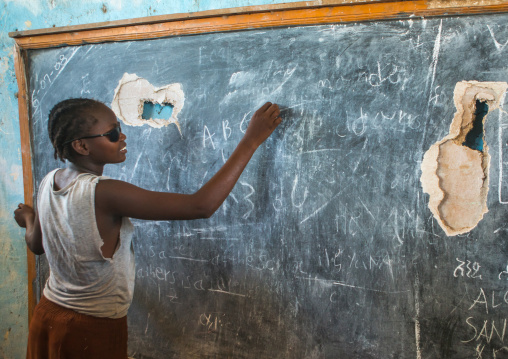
90	177
49	179
59	181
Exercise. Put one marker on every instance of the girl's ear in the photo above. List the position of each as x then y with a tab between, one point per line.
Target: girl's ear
80	147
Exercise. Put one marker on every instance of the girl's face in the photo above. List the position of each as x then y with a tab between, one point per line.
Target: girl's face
101	149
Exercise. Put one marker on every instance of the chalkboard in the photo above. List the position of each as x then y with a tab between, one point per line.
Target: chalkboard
326	247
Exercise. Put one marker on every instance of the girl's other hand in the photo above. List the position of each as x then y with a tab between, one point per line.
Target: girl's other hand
264	121
23	214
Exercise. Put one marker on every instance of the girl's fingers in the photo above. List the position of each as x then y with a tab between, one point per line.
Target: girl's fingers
265	107
273	110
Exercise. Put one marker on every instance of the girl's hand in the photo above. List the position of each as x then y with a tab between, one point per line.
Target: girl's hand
24	214
27	218
263	123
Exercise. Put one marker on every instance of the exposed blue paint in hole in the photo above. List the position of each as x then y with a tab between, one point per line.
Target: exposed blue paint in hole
474	138
156	110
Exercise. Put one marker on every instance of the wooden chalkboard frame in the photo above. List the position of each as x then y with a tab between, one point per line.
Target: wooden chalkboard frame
223	20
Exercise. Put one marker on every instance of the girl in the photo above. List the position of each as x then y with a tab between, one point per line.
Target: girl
82	224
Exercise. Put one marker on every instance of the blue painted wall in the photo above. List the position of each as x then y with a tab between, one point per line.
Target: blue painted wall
35	14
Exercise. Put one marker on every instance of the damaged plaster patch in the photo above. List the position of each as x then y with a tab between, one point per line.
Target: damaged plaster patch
131	94
454	175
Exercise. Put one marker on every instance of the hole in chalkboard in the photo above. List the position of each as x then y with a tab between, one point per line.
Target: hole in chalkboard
474	138
156	110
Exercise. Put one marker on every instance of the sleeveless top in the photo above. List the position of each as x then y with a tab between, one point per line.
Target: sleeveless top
81	278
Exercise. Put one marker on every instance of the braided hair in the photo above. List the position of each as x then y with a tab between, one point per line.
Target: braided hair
70	119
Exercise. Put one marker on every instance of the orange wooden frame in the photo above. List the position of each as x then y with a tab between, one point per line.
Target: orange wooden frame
253	17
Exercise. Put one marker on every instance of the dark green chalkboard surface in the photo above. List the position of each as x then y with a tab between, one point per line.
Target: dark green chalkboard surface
326	247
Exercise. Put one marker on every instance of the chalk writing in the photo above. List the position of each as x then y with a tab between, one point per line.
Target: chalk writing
467	269
208	137
483	333
482	300
244	123
487	332
48	79
212	321
390	73
499	45
293	194
504	274
257	260
226	130
246	198
179	280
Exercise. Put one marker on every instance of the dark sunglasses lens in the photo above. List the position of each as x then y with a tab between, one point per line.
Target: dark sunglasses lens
114	135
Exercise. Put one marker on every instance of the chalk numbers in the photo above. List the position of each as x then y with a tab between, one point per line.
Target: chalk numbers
467	269
62	62
35	101
47	80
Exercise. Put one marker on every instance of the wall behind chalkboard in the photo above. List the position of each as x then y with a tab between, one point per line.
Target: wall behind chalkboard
326	247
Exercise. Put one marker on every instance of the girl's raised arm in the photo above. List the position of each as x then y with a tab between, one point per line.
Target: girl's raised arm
119	198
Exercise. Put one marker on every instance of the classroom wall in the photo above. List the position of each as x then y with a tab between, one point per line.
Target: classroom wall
35	14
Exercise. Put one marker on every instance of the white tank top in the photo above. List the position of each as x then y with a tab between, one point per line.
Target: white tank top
81	278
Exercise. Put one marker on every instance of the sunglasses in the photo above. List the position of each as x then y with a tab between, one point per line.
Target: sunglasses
113	135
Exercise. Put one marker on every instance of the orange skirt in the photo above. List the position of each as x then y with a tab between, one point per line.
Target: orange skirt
60	333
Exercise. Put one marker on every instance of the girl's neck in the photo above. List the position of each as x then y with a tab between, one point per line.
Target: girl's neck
85	168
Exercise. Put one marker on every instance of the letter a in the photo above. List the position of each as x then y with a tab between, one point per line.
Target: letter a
484	301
